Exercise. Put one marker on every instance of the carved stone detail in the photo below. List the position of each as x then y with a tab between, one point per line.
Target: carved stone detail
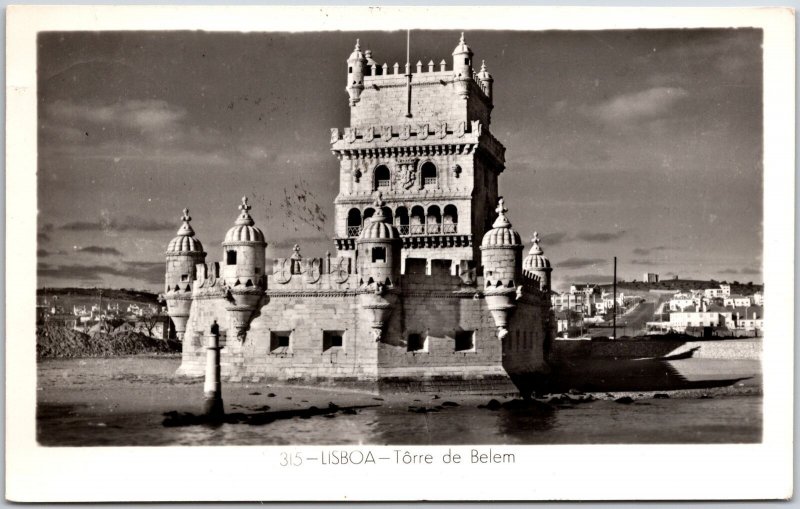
349	134
282	271
477	128
461	129
441	129
386	133
405	132
422	133
369	133
334	135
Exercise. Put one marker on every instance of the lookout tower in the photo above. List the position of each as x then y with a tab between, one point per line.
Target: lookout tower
422	139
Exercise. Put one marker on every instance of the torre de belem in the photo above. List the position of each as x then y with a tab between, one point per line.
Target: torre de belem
429	288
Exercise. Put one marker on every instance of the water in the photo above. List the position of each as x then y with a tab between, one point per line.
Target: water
734	419
122	401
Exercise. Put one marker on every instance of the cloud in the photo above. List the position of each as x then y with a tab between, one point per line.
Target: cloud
149	272
637	106
642	262
42	253
99	250
729	271
128	223
147	116
553	239
751	271
600	236
647	251
579	263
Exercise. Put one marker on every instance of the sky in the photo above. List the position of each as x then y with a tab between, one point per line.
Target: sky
640	144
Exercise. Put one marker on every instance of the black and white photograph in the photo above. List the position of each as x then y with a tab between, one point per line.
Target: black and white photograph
474	237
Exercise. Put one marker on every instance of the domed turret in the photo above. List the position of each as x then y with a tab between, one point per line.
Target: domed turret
537	265
243	268
501	250
355	74
462	67
378	250
486	80
183	253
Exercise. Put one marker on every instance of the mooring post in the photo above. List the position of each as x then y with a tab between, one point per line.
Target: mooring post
212	388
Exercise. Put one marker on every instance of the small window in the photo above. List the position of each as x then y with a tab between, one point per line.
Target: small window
258	270
350	70
465	341
417	343
466	61
280	341
332	339
230	258
184	277
378	254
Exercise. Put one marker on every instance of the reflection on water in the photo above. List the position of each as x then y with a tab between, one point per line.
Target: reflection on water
723	420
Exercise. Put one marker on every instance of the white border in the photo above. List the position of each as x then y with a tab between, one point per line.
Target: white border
541	472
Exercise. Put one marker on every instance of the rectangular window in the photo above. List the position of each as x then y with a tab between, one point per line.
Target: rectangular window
184	277
378	254
280	341
332	339
230	257
417	343
465	341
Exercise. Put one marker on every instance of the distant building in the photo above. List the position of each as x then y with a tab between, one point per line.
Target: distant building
758	299
738	301
650	277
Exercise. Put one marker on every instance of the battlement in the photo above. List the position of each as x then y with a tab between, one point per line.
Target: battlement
380	76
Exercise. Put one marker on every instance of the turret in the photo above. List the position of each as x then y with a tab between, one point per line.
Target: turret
356	65
486	80
536	265
243	268
462	67
183	253
502	269
378	247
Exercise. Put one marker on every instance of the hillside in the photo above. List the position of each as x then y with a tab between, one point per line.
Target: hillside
68	297
676	285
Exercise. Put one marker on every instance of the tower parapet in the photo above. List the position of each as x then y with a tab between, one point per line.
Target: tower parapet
243	269
502	269
183	253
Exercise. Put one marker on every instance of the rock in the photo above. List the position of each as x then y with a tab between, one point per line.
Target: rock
660	395
449	403
333	406
493	404
625	400
435	396
378	399
349	411
271	395
575	392
255	394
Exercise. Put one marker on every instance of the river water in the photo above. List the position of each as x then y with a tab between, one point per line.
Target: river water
719	420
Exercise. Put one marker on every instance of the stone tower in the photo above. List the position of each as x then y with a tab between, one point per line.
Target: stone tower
184	252
537	266
420	137
243	269
502	269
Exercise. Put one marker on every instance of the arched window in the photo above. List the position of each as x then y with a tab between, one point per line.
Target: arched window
387	213
430	176
401	220
434	220
382	177
417	223
368	213
450	219
353	223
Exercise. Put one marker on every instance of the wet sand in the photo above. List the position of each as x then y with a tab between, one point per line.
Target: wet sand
123	401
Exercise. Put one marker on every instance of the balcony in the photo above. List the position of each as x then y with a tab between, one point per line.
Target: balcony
353	231
430	182
383	184
414	229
